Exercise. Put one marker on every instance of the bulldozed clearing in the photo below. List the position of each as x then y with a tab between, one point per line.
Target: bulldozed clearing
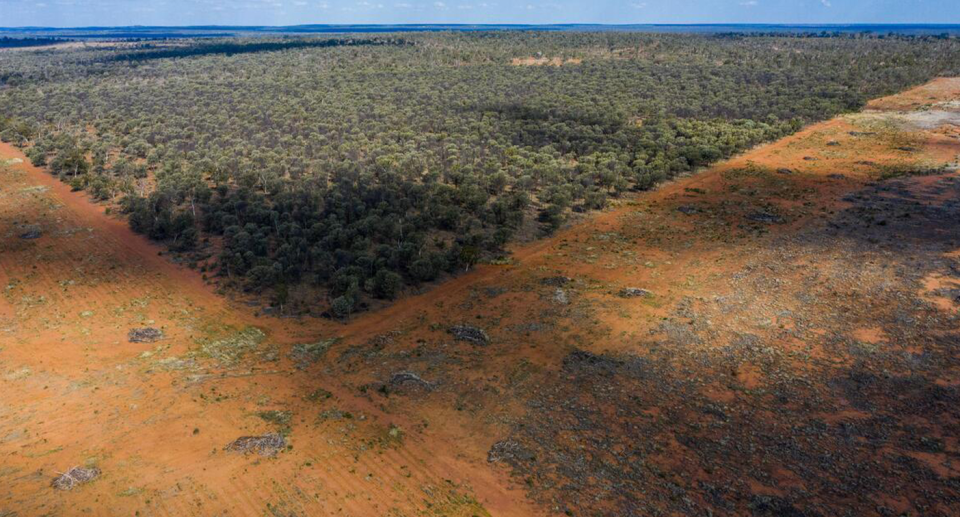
795	351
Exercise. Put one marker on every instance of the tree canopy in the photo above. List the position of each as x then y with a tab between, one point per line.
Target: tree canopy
350	168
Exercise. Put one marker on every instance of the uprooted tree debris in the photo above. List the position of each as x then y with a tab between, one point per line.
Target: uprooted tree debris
400	379
765	217
510	451
556	281
75	476
144	335
634	292
469	334
31	231
265	445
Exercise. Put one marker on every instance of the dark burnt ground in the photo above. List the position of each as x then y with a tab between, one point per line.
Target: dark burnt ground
822	379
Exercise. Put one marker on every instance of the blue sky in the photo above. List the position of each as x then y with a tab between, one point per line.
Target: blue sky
72	13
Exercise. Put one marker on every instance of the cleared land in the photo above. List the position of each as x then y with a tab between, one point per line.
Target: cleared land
794	352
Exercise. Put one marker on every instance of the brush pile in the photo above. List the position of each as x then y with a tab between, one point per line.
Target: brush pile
469	334
75	476
144	335
265	445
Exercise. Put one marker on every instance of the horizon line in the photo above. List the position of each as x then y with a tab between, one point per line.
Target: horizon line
486	24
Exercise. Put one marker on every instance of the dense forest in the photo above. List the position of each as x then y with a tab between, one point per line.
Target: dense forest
324	173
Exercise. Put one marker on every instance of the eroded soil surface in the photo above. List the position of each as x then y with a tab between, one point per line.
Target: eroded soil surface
778	335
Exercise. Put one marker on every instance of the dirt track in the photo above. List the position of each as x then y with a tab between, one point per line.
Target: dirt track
797	356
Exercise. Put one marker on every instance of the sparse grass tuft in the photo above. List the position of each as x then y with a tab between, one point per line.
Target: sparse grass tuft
229	350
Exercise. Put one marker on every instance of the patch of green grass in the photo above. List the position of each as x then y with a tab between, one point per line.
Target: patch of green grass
457	501
308	353
390	437
900	170
130	492
319	395
335	414
43	453
521	372
652	301
503	261
747	171
229	350
279	417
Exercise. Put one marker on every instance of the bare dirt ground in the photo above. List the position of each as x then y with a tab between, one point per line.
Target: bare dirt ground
544	61
777	335
71	45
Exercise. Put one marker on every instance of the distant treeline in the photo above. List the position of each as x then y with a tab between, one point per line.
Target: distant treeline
830	34
8	42
233	48
134	36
